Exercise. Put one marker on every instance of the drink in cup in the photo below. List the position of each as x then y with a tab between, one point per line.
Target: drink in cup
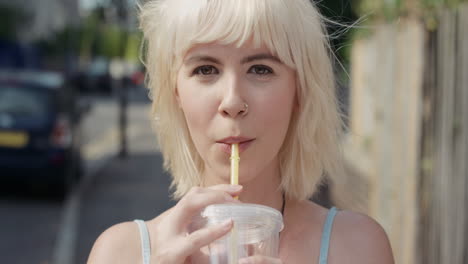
255	232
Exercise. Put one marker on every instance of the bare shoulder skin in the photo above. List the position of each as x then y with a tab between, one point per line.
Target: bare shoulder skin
118	244
121	243
359	239
355	238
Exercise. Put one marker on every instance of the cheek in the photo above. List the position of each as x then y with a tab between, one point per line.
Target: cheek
277	108
195	115
277	119
197	108
188	101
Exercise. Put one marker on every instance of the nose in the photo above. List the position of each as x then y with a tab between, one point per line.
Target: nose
232	104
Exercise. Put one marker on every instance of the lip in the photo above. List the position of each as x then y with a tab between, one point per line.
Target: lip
226	143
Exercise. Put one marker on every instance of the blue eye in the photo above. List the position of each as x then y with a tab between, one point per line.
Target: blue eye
260	70
205	70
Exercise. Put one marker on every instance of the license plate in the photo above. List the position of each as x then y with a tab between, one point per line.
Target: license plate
13	139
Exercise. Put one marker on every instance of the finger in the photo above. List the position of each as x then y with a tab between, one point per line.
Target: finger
205	236
195	201
232	189
260	260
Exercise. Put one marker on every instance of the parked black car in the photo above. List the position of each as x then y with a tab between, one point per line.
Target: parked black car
95	78
40	133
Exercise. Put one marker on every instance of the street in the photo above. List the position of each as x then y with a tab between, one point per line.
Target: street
37	229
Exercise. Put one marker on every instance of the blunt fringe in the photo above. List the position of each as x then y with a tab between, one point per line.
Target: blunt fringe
294	31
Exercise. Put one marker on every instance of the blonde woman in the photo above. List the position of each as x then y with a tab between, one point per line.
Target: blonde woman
257	73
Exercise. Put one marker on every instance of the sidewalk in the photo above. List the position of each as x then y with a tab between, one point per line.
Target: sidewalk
124	189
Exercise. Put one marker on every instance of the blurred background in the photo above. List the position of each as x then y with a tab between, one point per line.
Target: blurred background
77	153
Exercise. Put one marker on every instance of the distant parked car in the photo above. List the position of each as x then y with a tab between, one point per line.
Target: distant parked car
40	132
95	78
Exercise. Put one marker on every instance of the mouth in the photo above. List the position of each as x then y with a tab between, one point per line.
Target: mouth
226	143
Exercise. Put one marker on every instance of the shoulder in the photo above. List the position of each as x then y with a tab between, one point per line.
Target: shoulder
357	238
118	244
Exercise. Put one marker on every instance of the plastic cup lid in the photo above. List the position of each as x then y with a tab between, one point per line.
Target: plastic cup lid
246	216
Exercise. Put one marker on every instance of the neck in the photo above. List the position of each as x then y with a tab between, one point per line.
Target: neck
263	188
264	192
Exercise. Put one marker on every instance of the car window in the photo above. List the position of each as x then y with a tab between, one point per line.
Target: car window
24	101
98	67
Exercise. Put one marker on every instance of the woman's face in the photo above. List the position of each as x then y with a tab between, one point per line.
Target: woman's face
214	84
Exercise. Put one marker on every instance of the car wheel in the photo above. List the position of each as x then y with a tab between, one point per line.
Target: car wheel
63	186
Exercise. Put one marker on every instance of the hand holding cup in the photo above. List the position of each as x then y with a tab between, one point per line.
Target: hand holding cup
172	242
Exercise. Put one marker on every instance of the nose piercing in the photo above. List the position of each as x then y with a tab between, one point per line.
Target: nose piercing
245	110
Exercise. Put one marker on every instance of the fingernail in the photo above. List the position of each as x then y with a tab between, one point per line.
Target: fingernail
230	199
235	188
226	224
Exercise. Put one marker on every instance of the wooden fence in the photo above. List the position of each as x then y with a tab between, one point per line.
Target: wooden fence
444	178
407	151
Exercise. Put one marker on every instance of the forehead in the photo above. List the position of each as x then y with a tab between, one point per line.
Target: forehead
265	23
217	48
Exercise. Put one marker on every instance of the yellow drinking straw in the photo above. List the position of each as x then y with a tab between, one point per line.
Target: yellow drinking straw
235	165
234	180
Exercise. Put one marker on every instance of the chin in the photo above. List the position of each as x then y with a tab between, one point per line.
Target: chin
245	178
220	170
220	173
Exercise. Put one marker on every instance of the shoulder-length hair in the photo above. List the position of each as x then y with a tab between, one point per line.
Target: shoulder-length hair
294	31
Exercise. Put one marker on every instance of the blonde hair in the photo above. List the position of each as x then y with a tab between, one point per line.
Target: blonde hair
291	29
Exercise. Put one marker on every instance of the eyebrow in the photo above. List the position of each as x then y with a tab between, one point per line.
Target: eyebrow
261	56
202	58
205	58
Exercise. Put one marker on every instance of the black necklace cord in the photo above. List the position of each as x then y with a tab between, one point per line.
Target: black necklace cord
282	210
284	204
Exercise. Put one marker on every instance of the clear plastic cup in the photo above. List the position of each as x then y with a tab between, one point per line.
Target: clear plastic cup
255	232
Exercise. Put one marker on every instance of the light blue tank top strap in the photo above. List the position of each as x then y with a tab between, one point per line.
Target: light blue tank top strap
326	233
145	241
325	243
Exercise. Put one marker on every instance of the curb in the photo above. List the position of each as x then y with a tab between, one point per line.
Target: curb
65	243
